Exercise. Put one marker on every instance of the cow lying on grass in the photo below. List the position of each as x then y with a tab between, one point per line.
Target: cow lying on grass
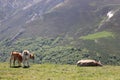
88	63
20	57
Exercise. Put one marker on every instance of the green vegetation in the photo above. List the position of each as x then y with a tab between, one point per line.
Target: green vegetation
98	35
59	72
45	50
60	50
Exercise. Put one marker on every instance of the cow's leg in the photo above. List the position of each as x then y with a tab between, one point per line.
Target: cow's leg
23	63
11	58
19	63
14	62
10	61
28	63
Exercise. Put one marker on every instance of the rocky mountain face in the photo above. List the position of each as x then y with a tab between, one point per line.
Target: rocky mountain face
16	14
53	17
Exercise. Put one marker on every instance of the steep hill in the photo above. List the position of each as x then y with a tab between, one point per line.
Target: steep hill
51	18
76	29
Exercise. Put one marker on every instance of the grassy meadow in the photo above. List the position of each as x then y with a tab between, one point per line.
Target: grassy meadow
98	35
59	72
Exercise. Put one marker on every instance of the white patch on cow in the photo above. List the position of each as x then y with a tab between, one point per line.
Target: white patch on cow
26	57
86	61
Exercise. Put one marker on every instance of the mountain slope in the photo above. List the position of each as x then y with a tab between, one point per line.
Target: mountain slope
51	18
47	25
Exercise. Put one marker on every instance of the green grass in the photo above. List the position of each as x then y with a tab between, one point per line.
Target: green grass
98	35
59	72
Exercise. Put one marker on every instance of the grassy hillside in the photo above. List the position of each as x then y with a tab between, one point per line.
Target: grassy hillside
98	35
59	72
54	37
65	50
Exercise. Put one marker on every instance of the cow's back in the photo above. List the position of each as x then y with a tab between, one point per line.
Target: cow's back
16	56
88	63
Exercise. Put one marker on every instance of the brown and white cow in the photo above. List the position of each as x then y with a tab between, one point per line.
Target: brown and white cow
15	56
26	55
88	63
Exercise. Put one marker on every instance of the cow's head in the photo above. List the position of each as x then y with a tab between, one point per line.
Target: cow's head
26	52
99	63
32	56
